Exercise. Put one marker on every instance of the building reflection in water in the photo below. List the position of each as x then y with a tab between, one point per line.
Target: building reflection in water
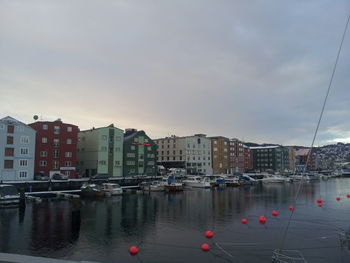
55	225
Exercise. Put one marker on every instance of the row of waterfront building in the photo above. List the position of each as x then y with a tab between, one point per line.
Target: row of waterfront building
46	148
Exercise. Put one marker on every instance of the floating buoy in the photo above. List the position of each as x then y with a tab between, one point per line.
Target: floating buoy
319	201
244	221
133	251
274	213
291	208
205	247
209	234
319	204
348	196
262	220
338	198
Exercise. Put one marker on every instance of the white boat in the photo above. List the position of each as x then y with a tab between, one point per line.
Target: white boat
273	178
216	180
154	186
111	189
197	181
9	195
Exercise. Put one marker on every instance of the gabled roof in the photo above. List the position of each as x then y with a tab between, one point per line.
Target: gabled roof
10	120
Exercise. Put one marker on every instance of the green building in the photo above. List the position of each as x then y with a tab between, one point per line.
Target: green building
100	151
139	154
274	158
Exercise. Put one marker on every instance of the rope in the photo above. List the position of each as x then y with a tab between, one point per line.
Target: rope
315	134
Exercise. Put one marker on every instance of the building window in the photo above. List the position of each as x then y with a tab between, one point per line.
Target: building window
43	154
56	153
118	138
140	164
150	163
10	128
104	137
55	165
215	149
23	162
9	140
117	149
24	139
130	162
42	163
130	155
68	163
56	129
132	147
23	174
24	151
69	129
141	156
56	142
117	163
45	126
9	151
215	142
68	154
102	162
8	164
103	148
44	140
69	141
149	148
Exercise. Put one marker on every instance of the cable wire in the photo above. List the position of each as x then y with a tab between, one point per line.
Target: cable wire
315	134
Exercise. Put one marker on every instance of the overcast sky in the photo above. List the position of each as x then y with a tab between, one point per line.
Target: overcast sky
254	70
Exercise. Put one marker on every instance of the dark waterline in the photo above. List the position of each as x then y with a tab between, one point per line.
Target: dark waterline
170	227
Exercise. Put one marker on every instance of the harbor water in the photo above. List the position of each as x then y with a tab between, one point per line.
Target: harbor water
170	227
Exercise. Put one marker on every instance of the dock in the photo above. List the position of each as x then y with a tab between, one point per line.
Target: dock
16	258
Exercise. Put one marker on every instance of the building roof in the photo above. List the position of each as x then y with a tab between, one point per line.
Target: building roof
301	152
109	126
58	120
264	147
10	120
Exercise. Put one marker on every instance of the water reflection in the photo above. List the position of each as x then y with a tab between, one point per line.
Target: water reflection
101	230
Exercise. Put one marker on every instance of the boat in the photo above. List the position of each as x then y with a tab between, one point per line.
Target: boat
9	196
154	186
91	190
110	189
232	181
272	178
170	184
345	171
216	180
246	180
197	181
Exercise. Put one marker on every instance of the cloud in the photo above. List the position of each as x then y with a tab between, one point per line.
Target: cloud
255	70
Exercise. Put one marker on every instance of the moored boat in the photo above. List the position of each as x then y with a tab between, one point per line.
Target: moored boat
91	190
154	186
197	181
110	189
9	195
170	184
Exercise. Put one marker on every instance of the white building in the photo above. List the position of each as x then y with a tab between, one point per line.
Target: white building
192	153
17	148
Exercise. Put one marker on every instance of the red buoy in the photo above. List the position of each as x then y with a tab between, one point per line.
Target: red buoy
133	251
319	204
262	220
274	213
291	208
319	200
244	221
205	247
348	196
338	198
209	234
